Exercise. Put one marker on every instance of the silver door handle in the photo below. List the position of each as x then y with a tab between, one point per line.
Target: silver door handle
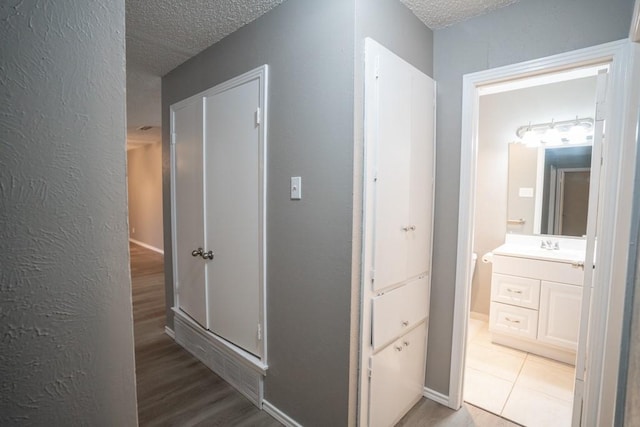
202	253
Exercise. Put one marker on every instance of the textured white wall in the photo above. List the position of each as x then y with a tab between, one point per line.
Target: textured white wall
66	334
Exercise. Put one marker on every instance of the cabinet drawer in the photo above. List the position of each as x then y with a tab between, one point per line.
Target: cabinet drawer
398	310
514	290
538	269
397	378
512	320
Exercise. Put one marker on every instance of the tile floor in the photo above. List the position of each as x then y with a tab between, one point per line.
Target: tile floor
520	386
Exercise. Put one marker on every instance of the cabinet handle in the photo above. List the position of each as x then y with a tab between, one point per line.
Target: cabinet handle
578	265
508	319
398	347
514	291
405	323
406	343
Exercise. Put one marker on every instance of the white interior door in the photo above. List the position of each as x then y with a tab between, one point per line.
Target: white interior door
595	190
392	143
233	192
188	213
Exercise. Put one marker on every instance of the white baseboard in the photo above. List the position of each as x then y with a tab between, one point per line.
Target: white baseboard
279	415
479	316
436	396
169	331
146	245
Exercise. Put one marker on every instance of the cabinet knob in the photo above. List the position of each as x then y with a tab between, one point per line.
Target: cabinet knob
405	323
406	343
398	347
406	228
412	228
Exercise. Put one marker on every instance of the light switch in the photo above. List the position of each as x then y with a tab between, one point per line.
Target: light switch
296	188
525	192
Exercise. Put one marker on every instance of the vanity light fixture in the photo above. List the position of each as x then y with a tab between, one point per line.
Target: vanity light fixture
575	131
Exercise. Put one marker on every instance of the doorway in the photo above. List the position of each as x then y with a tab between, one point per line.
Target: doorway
592	405
520	359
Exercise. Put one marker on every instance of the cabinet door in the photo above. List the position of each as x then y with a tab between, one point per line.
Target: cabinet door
189	217
421	170
397	378
559	317
399	310
392	143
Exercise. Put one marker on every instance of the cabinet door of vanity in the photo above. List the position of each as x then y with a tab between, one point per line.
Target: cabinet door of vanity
559	317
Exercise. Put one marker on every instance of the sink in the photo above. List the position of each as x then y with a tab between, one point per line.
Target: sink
527	251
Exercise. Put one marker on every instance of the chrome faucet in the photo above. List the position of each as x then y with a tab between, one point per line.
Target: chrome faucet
550	244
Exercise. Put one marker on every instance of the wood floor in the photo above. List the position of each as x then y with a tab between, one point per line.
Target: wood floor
175	389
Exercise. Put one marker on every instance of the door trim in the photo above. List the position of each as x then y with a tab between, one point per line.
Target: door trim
614	211
262	75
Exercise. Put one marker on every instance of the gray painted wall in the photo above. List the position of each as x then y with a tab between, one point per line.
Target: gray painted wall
308	46
523	31
66	353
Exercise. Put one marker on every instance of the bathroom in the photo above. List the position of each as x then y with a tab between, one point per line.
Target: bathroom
535	139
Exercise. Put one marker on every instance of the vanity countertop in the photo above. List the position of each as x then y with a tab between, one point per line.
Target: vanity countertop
529	251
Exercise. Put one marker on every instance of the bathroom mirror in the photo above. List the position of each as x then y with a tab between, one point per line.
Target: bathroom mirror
548	189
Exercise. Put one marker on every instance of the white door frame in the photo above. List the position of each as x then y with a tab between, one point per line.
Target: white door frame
614	212
260	74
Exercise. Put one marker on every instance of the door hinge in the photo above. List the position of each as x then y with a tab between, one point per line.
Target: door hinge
258	116
373	275
259	332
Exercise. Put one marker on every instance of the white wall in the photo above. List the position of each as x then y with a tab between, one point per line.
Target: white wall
144	180
500	115
66	332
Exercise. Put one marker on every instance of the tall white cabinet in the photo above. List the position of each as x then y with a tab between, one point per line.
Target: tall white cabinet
218	221
398	206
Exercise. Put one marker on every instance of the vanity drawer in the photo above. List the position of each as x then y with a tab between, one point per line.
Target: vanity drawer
534	268
398	310
512	320
514	290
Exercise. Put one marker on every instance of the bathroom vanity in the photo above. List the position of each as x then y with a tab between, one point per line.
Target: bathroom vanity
536	296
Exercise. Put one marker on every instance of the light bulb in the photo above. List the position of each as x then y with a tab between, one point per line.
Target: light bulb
577	134
530	139
551	137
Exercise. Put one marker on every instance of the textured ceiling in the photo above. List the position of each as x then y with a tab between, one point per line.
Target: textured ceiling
441	13
162	34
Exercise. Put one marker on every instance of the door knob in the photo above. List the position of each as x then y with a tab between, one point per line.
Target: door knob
202	253
197	252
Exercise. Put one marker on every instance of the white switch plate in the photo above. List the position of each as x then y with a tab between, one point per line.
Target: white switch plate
525	192
296	188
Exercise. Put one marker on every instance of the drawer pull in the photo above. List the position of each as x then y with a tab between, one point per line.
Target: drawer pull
398	348
510	320
405	323
514	291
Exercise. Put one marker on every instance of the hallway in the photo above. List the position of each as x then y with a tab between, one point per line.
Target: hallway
175	389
